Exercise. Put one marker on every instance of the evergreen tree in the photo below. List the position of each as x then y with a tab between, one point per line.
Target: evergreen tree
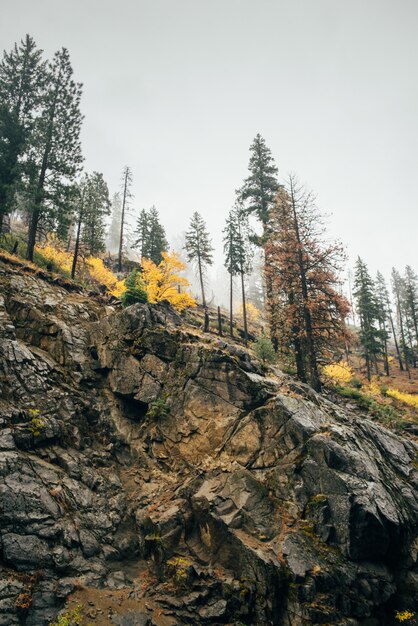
11	139
97	207
238	256
384	316
157	243
151	239
264	350
258	192
142	233
260	187
199	248
368	313
135	289
114	228
398	287
411	305
91	207
126	197
22	78
55	155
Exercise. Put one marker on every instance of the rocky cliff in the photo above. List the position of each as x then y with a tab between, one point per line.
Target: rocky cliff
157	476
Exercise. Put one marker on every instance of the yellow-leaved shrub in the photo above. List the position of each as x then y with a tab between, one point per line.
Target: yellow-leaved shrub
162	282
340	372
406	398
91	267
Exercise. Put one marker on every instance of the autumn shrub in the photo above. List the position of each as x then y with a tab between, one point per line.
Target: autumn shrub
253	313
178	570
163	281
407	398
36	422
70	617
340	372
404	616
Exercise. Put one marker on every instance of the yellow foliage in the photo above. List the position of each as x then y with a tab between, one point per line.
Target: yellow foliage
340	372
253	314
55	255
404	616
99	272
162	282
374	387
92	267
407	398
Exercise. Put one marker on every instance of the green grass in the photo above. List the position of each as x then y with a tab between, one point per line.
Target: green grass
387	414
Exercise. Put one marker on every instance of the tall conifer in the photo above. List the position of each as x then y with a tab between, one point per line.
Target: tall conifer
199	248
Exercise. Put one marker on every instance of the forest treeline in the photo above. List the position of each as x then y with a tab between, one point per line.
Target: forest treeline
42	180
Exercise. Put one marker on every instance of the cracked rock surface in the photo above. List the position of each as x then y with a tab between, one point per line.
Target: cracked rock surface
157	476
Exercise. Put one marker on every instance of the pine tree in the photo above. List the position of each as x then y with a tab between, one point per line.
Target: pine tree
150	233
91	207
55	156
238	256
22	78
199	248
411	305
384	316
97	208
258	192
368	313
114	228
135	289
142	233
398	291
81	193
11	139
126	197
260	188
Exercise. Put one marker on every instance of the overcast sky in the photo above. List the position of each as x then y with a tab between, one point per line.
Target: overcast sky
177	89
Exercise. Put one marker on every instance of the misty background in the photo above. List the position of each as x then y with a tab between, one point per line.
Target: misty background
177	90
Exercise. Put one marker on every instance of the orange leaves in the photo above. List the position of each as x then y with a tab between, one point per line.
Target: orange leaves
163	282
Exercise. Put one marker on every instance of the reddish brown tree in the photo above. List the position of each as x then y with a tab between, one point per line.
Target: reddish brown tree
307	312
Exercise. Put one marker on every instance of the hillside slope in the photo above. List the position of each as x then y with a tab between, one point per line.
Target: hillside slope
157	476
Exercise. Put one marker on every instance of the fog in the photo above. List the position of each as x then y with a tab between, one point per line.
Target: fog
177	89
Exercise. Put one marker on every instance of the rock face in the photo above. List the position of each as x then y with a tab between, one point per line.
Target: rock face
139	457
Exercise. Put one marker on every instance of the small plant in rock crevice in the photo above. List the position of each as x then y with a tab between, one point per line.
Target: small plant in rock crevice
71	617
36	422
158	409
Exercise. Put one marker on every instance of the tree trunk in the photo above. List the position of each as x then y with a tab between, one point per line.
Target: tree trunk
219	322
33	229
403	342
244	308
201	281
398	352
122	220
369	376
299	361
313	365
385	353
77	243
36	213
231	326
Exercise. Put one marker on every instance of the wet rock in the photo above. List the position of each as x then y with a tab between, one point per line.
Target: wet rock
167	464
